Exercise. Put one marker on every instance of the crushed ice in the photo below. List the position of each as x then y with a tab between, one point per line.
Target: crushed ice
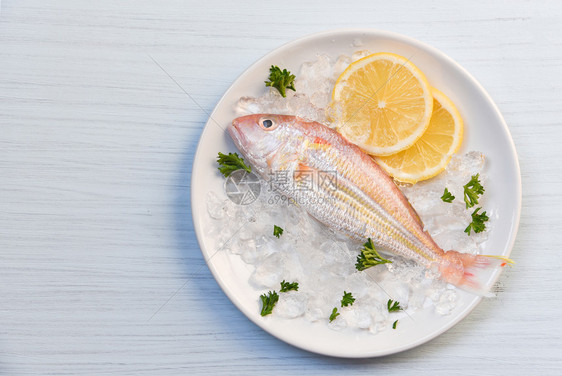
322	262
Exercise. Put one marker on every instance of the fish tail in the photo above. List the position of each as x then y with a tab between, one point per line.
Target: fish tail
469	272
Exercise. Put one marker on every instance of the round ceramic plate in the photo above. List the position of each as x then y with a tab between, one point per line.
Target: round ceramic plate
485	131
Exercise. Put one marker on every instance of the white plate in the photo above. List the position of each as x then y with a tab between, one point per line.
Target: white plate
485	130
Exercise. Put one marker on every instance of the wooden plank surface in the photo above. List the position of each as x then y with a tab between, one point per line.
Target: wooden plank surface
96	148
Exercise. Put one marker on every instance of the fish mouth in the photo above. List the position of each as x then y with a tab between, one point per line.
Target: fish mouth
236	135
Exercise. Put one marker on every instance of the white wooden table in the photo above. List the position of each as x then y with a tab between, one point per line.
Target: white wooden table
96	148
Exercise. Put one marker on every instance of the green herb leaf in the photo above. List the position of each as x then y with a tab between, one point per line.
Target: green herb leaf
447	196
287	286
394	324
268	302
334	314
230	163
277	231
369	257
280	79
347	299
477	223
393	306
472	190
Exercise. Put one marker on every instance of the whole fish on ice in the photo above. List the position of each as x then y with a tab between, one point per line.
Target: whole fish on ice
365	203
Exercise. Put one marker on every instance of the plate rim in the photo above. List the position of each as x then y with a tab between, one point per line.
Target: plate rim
371	32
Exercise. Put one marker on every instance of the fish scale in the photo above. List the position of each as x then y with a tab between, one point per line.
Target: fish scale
359	215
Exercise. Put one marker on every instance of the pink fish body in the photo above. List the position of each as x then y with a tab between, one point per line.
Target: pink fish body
357	198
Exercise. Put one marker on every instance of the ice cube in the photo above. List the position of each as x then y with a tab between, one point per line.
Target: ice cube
360	54
357	283
247	106
358	317
337	261
379	317
298	104
269	272
314	314
248	251
418	298
236	246
216	207
321	98
339	323
291	304
397	291
341	64
462	167
377	327
446	303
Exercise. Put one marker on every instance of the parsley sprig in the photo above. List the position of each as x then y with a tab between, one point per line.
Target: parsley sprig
393	306
281	80
394	324
268	302
334	314
288	286
472	190
369	257
347	299
230	163
277	231
477	223
447	196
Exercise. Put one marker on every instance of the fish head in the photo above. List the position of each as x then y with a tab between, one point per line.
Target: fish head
263	138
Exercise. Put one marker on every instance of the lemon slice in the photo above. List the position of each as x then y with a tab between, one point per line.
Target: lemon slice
432	152
382	103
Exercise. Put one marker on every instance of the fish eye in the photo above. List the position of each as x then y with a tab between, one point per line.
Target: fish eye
267	124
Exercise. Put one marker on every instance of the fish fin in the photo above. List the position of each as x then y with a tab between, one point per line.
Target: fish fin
470	272
302	171
303	177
